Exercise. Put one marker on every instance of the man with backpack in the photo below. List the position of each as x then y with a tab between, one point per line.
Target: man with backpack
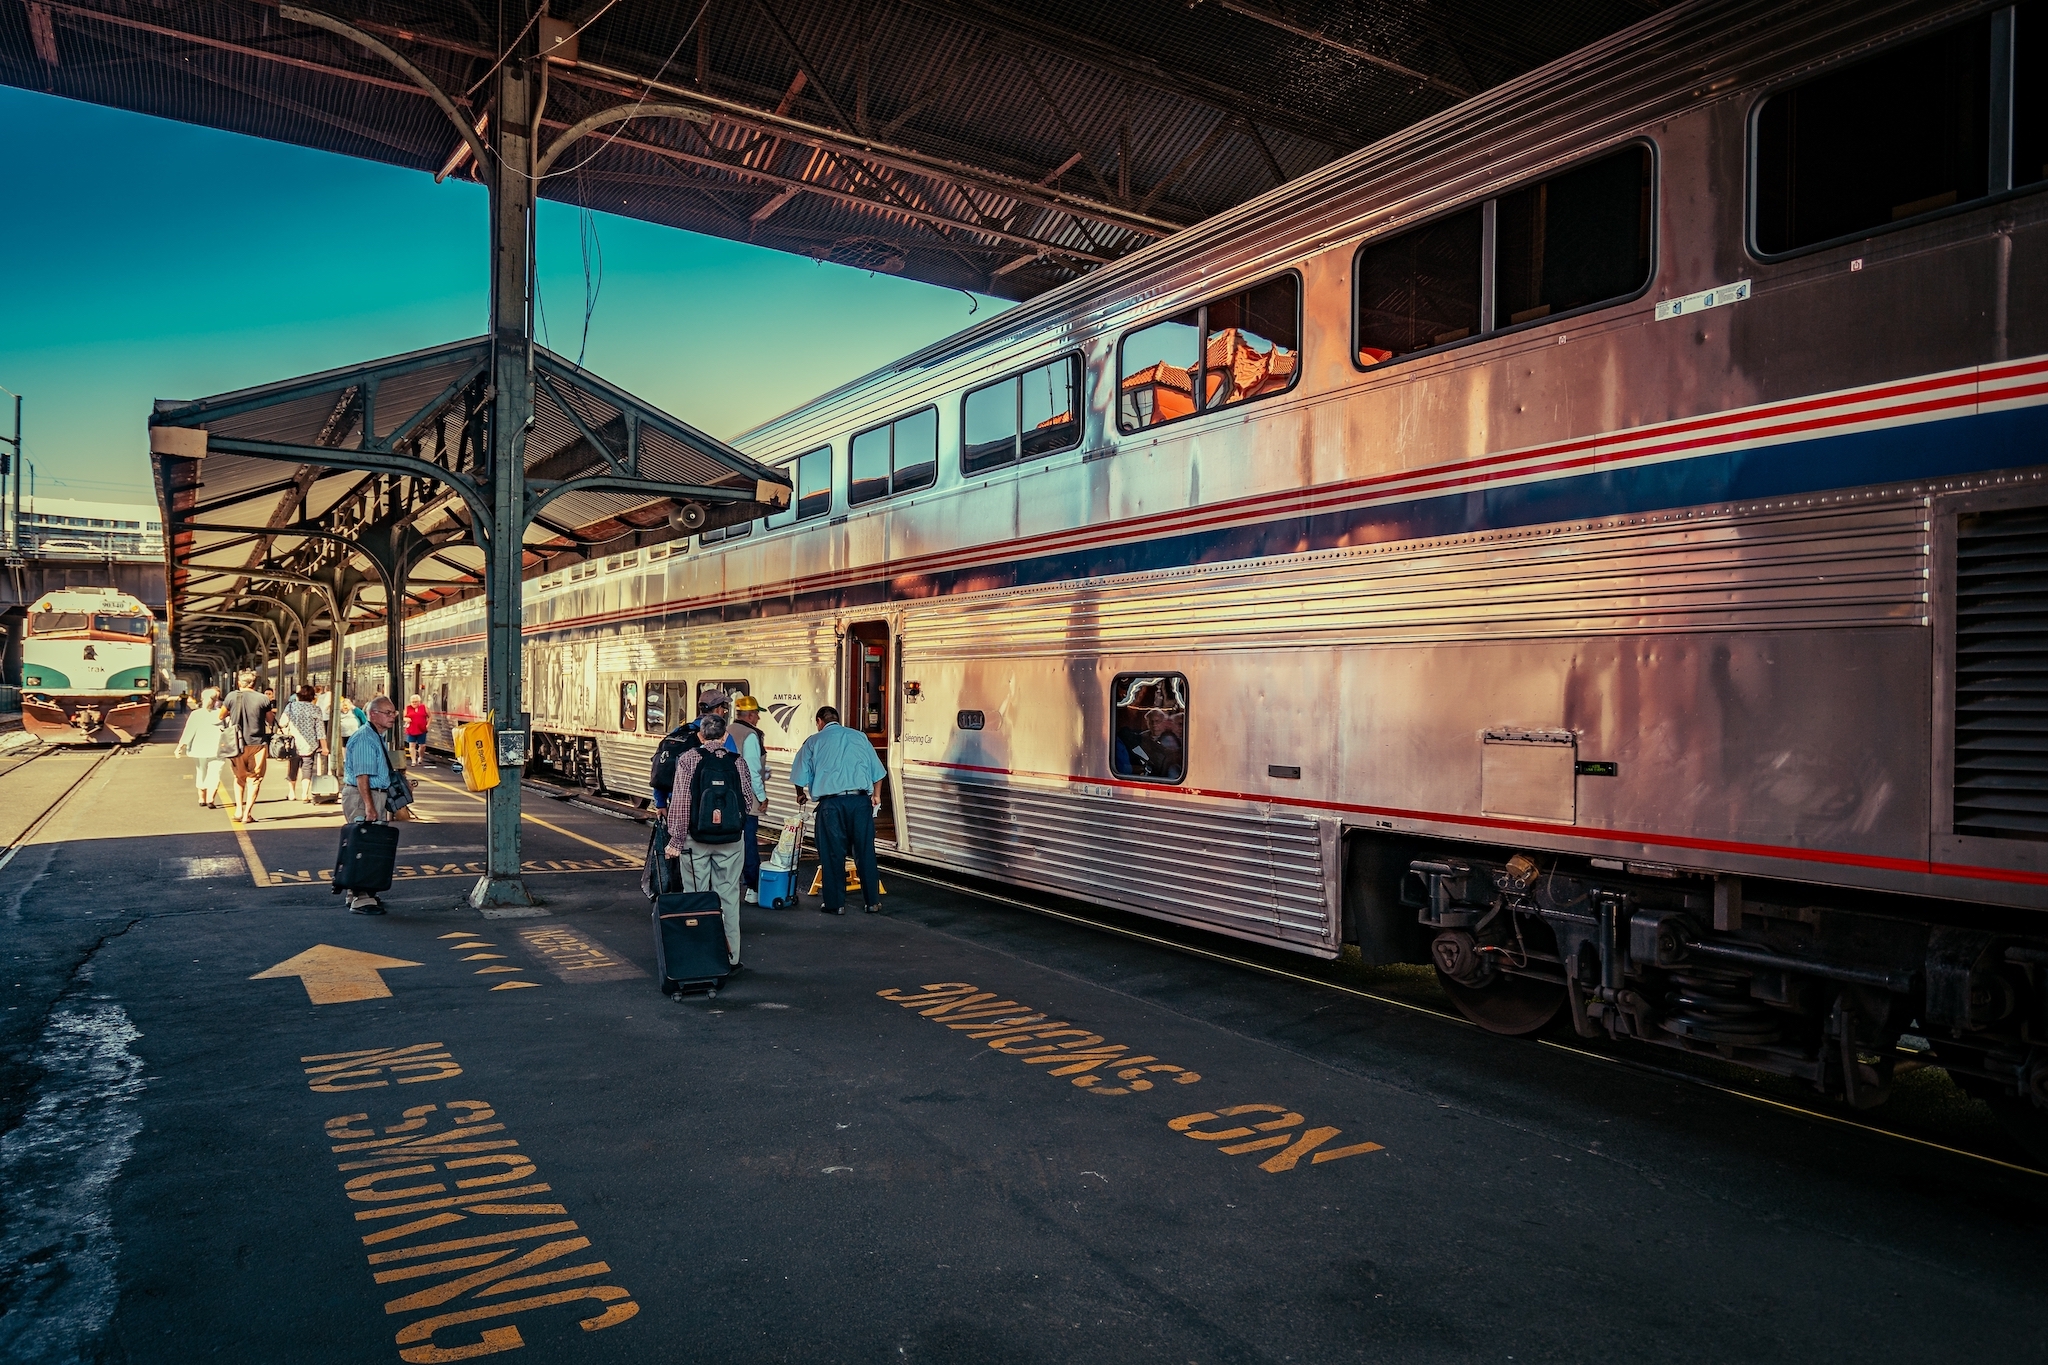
707	821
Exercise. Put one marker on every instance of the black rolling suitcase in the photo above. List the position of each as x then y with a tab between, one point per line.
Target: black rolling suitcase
369	854
689	942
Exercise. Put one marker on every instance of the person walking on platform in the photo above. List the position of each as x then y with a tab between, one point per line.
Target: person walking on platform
365	781
707	810
746	728
248	713
840	766
416	729
206	739
308	729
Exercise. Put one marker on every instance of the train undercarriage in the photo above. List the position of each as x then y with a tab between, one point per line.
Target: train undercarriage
571	758
1839	992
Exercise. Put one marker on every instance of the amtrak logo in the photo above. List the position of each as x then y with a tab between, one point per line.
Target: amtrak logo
785	712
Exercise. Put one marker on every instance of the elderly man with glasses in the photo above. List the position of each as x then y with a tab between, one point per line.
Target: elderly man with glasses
365	783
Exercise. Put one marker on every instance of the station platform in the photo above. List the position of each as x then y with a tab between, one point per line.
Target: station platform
243	1124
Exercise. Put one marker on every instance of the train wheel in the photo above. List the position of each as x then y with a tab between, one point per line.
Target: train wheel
1511	1005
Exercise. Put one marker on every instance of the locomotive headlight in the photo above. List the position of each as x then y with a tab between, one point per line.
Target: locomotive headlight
31	680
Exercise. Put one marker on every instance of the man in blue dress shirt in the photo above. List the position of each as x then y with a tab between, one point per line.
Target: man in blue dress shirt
837	767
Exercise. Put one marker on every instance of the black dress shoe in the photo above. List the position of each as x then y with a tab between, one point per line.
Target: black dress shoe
831	910
734	970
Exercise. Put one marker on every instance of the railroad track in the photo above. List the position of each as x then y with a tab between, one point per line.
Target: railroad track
918	872
42	818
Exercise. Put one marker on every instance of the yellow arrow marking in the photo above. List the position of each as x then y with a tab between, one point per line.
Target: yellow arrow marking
458	936
333	975
516	986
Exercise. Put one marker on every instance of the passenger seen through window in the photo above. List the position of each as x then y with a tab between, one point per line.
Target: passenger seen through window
1149	719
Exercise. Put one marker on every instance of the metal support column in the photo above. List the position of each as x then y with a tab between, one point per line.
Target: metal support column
511	184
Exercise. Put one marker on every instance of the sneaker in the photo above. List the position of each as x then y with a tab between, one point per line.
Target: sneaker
831	910
371	906
751	898
734	970
874	909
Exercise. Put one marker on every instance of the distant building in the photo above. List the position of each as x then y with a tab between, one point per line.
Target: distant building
67	526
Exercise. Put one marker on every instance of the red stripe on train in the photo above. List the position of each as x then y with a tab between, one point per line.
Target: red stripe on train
1806	855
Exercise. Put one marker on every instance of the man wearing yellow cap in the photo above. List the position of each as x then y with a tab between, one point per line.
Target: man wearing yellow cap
746	729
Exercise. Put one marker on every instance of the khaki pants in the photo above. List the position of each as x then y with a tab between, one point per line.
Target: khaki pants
352	804
717	867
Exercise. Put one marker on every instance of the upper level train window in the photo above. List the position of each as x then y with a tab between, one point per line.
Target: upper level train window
2030	93
1149	726
1029	414
810	478
894	457
1918	128
1574	240
1241	346
732	532
1420	289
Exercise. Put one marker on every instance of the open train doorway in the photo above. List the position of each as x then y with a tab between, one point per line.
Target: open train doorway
870	694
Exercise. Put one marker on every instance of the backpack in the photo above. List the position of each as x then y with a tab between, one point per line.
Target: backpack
662	774
718	811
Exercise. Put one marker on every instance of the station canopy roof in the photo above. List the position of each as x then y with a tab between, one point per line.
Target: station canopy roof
279	488
1004	146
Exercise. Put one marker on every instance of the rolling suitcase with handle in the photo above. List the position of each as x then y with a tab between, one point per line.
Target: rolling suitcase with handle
689	943
368	856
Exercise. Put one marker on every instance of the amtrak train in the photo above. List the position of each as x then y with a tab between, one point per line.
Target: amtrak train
94	662
1595	541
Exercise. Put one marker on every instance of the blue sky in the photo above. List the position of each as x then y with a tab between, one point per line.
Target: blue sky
155	260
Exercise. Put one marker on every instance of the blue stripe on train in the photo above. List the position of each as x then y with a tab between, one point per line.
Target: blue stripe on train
1921	451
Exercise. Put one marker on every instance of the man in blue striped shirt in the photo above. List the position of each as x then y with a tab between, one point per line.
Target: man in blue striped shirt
838	767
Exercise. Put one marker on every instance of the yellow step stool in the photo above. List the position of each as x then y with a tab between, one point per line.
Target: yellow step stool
852	880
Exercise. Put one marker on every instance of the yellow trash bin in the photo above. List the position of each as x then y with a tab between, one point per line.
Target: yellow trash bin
476	746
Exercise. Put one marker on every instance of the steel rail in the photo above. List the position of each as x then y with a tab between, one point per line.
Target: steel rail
35	826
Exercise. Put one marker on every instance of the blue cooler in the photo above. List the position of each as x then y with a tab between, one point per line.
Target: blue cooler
777	890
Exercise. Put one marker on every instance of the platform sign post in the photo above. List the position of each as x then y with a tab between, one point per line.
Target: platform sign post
511	182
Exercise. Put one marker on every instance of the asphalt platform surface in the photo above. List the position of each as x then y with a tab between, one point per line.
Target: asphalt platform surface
495	1137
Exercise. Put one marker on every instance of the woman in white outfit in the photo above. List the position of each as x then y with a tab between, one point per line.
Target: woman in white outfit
206	743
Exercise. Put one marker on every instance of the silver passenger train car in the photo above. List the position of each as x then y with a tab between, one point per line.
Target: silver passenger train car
1595	541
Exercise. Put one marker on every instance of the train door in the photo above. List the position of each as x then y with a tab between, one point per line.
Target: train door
869	704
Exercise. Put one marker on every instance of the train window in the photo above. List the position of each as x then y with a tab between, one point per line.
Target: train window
732	687
629	706
1573	240
654	709
1149	726
1026	415
1894	136
1243	345
1155	372
895	457
2030	94
1420	289
732	532
1253	344
811	478
54	622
